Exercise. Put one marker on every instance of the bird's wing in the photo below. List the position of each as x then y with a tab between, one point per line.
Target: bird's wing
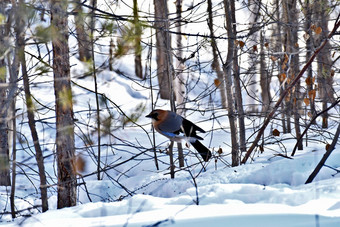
190	129
171	123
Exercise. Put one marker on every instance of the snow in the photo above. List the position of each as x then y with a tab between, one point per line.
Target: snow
264	193
268	191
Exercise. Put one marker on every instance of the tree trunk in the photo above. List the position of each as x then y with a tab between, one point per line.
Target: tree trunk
278	50
20	23
238	92
264	77
292	49
82	34
254	11
215	62
138	37
289	9
179	85
4	149
162	53
67	181
227	67
309	41
324	75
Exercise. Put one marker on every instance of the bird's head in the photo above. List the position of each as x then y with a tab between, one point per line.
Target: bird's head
156	114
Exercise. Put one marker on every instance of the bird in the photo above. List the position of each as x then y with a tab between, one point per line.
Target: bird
177	128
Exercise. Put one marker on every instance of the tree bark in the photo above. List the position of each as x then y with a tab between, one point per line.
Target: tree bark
162	53
138	37
20	23
265	78
4	101
67	181
254	11
227	67
278	50
238	93
215	62
82	33
179	85
324	63
308	11
292	50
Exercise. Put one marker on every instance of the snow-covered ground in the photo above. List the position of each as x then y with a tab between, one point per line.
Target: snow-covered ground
265	193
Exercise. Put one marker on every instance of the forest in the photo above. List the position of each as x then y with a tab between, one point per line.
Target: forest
259	78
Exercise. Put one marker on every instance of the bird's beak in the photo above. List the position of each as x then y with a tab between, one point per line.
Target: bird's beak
148	116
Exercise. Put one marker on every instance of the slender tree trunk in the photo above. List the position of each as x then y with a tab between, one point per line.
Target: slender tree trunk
309	46
292	49
82	34
253	55
170	76
215	62
238	92
288	7
20	23
179	85
92	29
264	77
67	182
4	149
138	37
297	100
227	67
14	162
278	50
324	76
161	23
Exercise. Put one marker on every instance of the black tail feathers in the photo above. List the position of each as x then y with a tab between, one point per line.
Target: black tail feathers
202	150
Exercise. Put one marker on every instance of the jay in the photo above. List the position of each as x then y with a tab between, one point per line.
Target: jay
177	128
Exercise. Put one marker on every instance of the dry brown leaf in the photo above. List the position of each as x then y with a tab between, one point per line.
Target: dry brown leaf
276	132
312	94
217	82
310	114
78	164
255	48
318	30
310	81
306	101
312	27
282	77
